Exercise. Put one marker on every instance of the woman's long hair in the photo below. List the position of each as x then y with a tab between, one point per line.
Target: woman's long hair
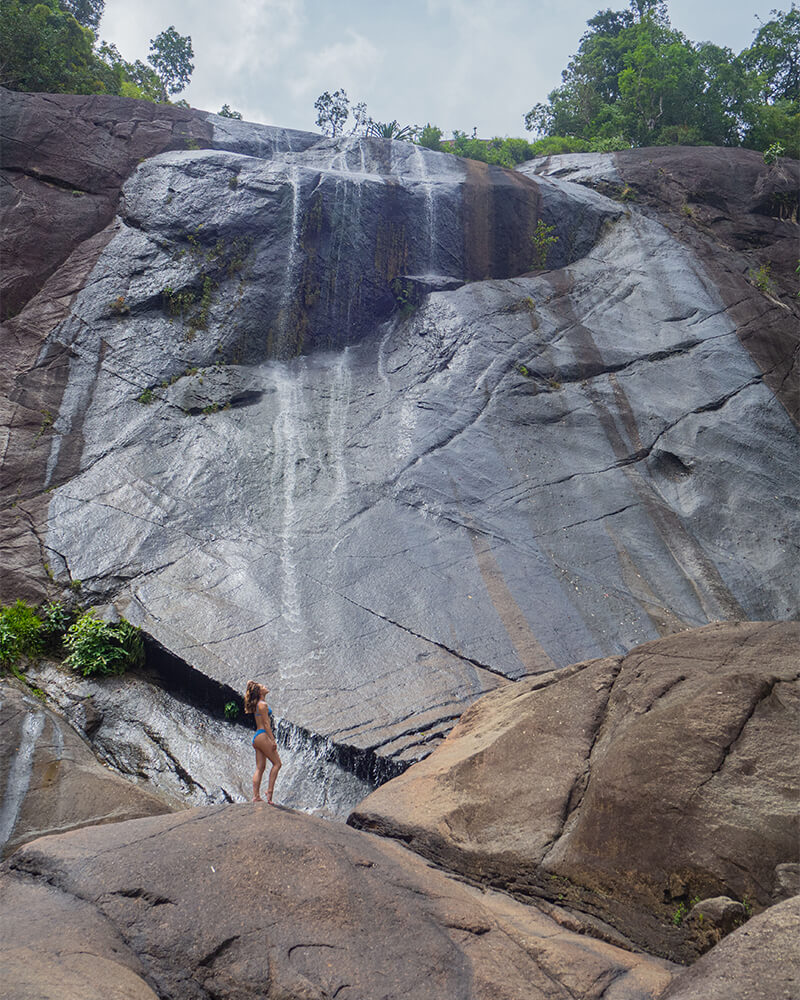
252	696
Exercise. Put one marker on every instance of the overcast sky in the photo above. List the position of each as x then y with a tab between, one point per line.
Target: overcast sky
459	64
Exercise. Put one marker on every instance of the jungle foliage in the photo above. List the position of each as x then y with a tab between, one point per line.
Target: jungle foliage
637	80
51	46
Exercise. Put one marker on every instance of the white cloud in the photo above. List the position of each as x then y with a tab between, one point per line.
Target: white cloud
350	64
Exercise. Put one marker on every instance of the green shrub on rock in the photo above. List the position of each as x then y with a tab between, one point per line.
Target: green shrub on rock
21	633
98	647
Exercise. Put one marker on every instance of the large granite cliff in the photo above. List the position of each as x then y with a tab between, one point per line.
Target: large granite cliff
304	409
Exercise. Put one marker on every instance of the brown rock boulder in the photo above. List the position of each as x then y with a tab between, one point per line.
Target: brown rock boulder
66	157
86	958
759	961
249	901
50	779
625	788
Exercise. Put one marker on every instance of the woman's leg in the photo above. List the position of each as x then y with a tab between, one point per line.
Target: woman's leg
261	764
276	762
269	750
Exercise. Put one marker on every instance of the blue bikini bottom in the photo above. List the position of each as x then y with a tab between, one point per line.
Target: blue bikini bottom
257	732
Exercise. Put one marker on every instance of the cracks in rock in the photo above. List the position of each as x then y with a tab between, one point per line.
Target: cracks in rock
179	769
762	692
49	179
139	893
432	642
664	692
577	793
221	948
312	944
229	638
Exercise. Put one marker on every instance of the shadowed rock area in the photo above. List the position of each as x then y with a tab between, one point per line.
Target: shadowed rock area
248	901
626	788
51	781
758	961
300	407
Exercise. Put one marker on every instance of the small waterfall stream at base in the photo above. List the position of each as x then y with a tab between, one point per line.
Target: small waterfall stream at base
165	728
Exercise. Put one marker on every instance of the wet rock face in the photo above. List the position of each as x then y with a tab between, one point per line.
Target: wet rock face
188	752
471	472
49	779
738	215
241	902
630	788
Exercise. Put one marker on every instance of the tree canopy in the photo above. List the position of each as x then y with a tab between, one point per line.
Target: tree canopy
638	80
51	46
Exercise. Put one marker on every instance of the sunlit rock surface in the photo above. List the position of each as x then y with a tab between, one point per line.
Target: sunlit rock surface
249	901
311	417
628	788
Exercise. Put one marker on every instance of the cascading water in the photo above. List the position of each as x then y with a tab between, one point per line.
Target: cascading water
183	751
19	776
290	279
288	452
430	208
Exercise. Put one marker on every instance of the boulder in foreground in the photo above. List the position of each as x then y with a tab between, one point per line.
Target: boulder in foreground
248	901
626	787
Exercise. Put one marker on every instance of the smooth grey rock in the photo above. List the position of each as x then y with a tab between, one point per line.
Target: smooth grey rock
526	470
416	504
49	779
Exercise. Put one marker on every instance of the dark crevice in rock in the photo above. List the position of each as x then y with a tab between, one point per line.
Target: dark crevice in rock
36	175
194	688
433	642
179	769
664	692
311	944
222	947
580	785
762	692
140	893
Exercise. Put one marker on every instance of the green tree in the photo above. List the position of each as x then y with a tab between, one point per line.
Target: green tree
226	111
430	137
391	130
85	12
774	62
171	56
635	78
43	48
775	56
332	111
135	79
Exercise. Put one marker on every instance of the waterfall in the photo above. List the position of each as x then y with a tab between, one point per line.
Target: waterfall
430	207
337	425
19	775
289	280
288	452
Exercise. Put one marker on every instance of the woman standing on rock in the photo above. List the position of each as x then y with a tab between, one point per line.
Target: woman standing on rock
264	742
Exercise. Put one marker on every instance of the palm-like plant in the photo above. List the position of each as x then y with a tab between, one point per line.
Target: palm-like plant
391	130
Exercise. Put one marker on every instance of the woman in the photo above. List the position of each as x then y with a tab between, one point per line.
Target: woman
264	742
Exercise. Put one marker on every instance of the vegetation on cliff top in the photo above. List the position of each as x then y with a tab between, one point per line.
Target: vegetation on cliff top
51	46
636	81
